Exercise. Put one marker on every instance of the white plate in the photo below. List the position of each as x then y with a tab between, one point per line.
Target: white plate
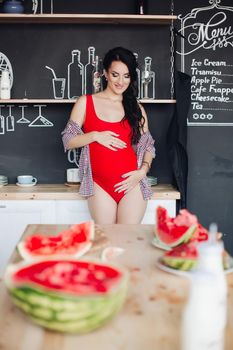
156	243
165	268
26	185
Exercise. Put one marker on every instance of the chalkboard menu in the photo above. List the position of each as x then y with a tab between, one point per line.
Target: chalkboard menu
205	51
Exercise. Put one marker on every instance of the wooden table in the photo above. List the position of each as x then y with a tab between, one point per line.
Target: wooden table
149	320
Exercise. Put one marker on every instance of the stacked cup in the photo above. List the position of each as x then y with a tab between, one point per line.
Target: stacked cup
3	180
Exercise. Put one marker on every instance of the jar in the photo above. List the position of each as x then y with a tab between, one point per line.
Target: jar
13	6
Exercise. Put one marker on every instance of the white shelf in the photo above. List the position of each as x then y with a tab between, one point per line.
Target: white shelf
87	18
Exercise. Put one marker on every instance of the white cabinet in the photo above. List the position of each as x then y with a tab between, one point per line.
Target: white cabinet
150	217
15	216
72	211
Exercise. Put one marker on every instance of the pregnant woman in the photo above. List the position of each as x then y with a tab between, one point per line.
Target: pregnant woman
117	147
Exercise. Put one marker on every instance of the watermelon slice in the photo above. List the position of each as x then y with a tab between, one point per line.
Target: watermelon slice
175	231
183	257
74	296
74	242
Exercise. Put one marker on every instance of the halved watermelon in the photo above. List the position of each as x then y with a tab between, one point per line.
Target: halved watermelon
175	231
74	242
68	295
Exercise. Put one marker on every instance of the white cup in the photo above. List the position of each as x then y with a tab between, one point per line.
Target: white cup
26	179
72	175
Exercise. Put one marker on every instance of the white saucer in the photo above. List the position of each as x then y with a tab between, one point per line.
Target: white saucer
26	185
189	273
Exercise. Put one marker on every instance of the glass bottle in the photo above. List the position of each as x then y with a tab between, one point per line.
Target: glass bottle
148	80
97	76
75	76
138	76
5	87
142	7
204	317
88	70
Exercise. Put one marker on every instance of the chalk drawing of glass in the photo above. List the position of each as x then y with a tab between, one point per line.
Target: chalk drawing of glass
148	80
2	121
10	120
75	76
40	121
58	85
73	156
23	120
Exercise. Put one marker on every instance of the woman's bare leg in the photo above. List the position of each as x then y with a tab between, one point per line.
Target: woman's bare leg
102	206
132	207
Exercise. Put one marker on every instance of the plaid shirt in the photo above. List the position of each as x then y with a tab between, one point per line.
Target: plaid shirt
145	144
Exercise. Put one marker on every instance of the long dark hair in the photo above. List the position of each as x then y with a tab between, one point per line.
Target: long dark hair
132	110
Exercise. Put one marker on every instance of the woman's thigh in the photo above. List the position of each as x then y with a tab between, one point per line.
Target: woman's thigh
102	206
132	207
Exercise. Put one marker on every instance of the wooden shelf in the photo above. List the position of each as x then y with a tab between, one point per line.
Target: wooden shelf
48	101
62	192
87	18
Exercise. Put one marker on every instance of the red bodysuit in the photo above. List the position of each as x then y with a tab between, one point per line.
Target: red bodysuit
108	166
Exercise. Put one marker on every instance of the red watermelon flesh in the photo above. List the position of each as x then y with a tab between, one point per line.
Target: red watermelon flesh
69	276
75	241
175	231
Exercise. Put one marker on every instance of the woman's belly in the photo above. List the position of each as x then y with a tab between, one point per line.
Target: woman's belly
109	166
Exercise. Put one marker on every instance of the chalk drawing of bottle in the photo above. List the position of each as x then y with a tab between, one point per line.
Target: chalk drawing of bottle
10	120
138	76
2	121
148	80
75	76
88	69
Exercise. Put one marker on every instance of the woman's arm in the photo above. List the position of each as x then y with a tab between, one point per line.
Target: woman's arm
148	157
77	115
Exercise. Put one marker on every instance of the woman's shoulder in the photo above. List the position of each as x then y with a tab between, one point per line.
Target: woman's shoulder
81	100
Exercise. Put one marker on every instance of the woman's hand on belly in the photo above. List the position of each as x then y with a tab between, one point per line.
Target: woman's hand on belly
110	140
132	179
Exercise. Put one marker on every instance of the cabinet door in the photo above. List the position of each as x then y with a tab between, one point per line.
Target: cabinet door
150	214
72	211
15	216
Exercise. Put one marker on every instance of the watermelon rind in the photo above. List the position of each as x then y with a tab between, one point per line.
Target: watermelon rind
179	263
26	255
183	239
64	312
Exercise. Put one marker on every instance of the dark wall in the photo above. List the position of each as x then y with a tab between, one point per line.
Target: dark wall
30	47
207	56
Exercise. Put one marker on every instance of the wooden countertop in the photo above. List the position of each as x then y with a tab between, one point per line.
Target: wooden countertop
150	318
63	192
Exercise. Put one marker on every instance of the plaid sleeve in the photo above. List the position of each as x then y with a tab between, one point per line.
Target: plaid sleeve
146	142
72	129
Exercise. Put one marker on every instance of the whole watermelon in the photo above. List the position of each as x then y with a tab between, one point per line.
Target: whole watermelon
72	296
